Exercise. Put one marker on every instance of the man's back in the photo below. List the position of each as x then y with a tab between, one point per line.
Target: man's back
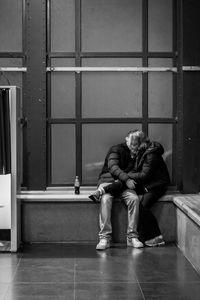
116	161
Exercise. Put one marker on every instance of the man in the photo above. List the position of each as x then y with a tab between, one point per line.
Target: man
118	158
152	179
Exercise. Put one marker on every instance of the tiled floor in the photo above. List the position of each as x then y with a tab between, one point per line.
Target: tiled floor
60	271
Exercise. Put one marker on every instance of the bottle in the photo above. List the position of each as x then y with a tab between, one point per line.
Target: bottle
77	186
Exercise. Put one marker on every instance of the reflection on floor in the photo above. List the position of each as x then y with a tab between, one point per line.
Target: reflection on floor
61	271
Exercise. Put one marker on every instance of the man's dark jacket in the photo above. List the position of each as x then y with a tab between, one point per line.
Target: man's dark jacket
116	162
149	169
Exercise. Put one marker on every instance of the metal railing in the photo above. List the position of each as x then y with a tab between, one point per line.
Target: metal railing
13	69
111	69
105	69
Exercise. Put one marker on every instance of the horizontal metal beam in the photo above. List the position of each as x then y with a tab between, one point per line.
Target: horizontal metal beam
109	54
13	69
191	68
110	69
104	69
12	55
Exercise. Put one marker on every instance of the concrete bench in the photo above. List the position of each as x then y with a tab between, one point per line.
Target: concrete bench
64	217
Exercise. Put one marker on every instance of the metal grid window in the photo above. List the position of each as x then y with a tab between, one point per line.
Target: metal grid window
92	105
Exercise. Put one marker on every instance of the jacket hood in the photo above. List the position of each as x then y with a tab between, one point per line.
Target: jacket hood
155	147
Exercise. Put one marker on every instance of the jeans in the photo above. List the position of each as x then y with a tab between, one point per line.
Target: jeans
131	199
115	188
148	226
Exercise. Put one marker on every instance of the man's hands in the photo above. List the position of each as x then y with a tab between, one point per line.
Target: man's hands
130	183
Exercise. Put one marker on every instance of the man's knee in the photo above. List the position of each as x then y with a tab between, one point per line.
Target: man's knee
132	199
106	199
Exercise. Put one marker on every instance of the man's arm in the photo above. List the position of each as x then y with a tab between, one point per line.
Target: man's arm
150	164
113	165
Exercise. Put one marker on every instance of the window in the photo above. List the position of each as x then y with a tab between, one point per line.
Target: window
90	111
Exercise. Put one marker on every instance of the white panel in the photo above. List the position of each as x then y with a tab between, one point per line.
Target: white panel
5	198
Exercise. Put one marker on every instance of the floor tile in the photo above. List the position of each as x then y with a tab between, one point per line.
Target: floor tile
9	259
86	251
108	291
172	291
165	264
40	291
47	250
45	270
7	273
93	270
3	289
44	275
122	254
52	262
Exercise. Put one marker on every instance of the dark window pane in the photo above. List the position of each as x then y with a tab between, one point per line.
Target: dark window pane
112	94
11	62
160	25
11	25
103	136
62	90
62	25
160	91
63	152
111	25
62	62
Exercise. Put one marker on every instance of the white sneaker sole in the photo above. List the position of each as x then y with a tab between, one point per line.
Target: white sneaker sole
129	244
161	244
100	248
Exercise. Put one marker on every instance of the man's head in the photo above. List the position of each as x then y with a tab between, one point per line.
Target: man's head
136	139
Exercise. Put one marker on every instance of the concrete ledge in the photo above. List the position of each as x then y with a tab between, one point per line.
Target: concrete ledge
188	227
190	205
69	196
65	195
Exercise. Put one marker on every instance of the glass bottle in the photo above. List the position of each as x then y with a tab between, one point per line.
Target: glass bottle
77	186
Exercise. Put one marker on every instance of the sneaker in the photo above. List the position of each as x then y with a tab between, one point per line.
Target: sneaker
134	242
95	197
155	242
103	244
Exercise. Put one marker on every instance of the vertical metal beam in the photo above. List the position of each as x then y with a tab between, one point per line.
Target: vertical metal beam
145	64
36	93
24	91
191	96
174	105
78	89
179	143
49	126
